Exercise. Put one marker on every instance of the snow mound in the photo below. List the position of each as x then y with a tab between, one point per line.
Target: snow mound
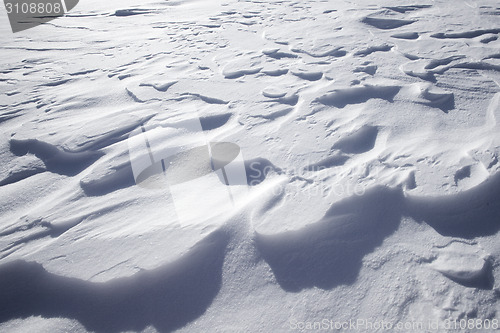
463	263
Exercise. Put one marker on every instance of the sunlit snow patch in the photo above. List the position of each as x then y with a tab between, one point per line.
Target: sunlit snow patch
205	179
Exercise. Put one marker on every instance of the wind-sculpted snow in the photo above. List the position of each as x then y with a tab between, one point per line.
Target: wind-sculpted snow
166	297
358	142
466	34
465	265
406	35
365	135
468	214
371	49
342	97
329	252
56	160
386	23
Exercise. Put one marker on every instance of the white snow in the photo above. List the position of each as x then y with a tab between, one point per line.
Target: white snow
460	263
368	132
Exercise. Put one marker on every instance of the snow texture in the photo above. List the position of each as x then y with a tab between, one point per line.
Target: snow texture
343	164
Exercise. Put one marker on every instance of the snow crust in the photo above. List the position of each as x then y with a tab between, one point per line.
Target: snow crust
367	133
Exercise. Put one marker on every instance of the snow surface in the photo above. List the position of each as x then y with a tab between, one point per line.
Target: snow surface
368	132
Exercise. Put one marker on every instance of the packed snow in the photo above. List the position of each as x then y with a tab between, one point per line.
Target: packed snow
251	166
